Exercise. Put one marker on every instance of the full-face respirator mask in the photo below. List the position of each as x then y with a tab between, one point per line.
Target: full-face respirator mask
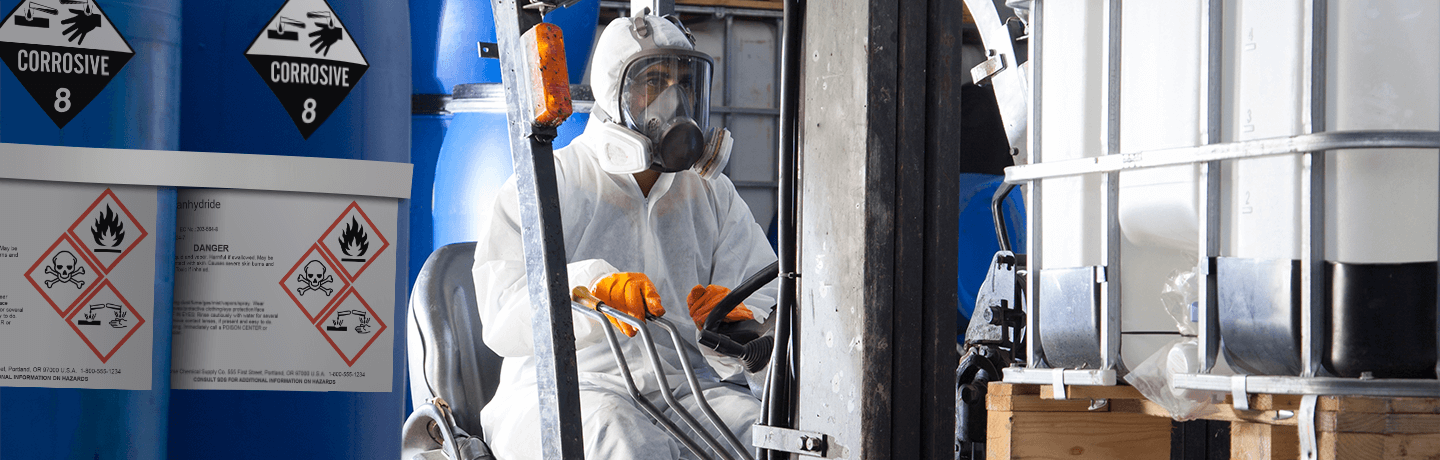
664	104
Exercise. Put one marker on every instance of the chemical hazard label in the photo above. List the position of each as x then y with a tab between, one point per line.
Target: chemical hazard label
63	51
299	321
67	319
309	60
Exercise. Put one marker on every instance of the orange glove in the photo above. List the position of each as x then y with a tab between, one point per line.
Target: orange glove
703	299
632	293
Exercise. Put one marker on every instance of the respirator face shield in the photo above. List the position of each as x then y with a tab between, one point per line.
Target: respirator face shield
665	96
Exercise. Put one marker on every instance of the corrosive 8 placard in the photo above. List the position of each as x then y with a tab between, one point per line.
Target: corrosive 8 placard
309	60
284	291
63	51
77	285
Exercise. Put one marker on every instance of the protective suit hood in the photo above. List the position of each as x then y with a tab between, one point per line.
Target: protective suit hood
616	48
638	123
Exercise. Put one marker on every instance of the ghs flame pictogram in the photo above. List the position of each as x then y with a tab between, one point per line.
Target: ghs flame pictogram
108	231
354	238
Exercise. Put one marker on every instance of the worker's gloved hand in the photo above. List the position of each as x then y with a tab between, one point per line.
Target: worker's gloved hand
703	299
632	293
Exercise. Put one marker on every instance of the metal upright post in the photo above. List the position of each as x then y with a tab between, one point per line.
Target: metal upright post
544	244
1312	184
1210	175
1033	237
1110	249
656	7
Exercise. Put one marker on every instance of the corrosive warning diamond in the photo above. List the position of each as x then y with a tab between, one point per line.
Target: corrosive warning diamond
309	60
351	326
64	52
105	320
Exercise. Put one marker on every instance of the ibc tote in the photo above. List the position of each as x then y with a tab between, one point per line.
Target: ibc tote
136	109
1382	72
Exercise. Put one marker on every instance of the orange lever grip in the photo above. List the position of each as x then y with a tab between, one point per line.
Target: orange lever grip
584	297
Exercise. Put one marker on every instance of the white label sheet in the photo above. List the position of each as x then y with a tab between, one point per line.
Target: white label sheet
77	285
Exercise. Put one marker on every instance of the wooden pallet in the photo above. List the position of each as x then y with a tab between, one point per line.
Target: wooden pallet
1026	422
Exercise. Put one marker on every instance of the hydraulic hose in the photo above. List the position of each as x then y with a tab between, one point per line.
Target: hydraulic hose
996	201
777	402
755	353
733	299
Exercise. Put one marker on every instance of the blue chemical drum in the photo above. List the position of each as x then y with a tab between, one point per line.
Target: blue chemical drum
978	242
132	102
428	122
238	100
476	158
257	82
464	23
446	54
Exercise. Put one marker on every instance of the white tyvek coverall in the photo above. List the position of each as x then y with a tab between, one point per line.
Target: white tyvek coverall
688	231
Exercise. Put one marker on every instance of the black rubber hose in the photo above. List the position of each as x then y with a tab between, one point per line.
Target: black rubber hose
999	215
755	353
740	293
776	404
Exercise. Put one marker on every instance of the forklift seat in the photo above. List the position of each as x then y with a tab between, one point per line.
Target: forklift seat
448	360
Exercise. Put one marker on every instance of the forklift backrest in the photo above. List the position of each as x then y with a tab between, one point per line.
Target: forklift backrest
447	357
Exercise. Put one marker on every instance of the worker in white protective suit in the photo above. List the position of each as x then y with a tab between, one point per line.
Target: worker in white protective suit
650	225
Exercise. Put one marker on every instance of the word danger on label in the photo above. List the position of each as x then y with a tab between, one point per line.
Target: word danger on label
56	62
309	74
212	248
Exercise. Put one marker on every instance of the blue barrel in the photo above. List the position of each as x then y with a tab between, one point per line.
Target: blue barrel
474	158
228	107
978	243
463	23
137	109
428	122
445	36
445	54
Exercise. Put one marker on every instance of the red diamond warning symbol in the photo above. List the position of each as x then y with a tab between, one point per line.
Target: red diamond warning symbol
354	241
314	283
107	231
63	274
351	326
105	320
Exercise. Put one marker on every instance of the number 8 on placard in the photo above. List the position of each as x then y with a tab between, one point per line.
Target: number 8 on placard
62	100
308	116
